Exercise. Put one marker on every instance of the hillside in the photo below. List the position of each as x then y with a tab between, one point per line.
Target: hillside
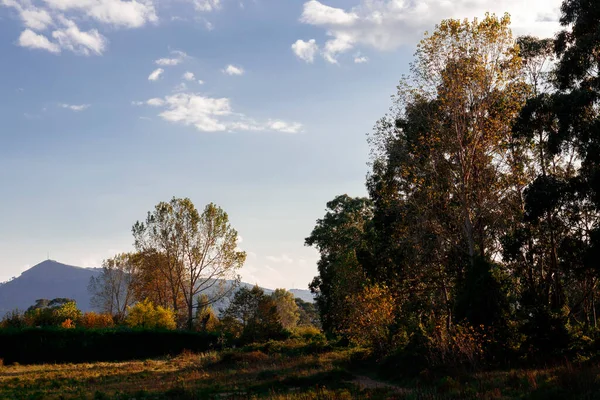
47	280
51	279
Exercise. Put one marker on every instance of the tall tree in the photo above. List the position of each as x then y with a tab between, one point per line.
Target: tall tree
340	237
199	251
447	172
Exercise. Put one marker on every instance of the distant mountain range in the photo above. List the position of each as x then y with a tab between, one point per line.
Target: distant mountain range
51	279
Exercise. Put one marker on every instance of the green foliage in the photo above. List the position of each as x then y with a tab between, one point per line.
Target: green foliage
144	314
287	309
52	312
340	237
252	316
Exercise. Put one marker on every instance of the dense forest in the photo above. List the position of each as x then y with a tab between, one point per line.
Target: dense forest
478	243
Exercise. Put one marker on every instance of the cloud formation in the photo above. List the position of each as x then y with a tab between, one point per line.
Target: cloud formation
154	75
233	70
306	50
33	40
188	76
387	24
211	114
62	14
75	107
178	58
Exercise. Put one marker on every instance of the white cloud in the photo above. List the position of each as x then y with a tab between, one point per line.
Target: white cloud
316	13
199	111
358	59
35	18
200	82
306	50
285	127
168	62
207	5
32	17
71	38
63	13
233	70
128	14
208	114
155	74
156	102
137	103
387	24
188	76
75	107
33	40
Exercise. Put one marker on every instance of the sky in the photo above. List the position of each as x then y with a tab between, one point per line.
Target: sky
260	106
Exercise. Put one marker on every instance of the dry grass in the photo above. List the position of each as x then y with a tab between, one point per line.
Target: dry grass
281	370
208	375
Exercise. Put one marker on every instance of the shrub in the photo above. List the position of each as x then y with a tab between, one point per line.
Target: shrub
67	324
461	345
369	318
56	345
308	333
92	320
146	315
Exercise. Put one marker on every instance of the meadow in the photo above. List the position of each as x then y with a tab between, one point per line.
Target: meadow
291	369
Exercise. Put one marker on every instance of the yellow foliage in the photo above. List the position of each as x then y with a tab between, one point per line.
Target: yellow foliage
461	344
146	315
369	317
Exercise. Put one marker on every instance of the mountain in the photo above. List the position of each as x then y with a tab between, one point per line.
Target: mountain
303	294
51	279
47	280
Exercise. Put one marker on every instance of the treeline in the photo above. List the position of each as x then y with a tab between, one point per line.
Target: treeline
57	331
185	264
478	243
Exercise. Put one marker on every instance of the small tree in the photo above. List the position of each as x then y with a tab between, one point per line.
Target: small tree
206	320
146	315
255	312
370	317
113	289
52	312
287	309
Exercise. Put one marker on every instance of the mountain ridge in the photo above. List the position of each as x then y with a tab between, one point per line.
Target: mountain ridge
52	279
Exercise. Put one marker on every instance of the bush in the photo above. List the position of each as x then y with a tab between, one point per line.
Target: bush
56	345
308	333
146	315
92	320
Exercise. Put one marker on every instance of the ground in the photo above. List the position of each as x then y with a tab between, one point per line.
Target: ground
280	370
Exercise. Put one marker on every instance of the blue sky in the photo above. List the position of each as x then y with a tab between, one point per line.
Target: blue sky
263	107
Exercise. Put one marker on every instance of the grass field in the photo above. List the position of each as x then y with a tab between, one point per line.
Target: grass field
283	370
